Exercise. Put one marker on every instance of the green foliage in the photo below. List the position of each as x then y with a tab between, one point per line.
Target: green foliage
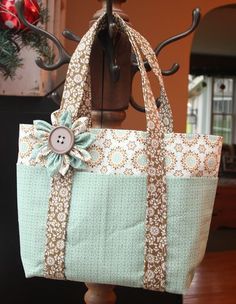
9	54
39	44
11	42
44	17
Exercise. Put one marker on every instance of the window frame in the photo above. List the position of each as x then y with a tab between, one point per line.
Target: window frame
232	114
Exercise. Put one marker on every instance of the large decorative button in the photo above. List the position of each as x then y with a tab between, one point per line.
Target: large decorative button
61	140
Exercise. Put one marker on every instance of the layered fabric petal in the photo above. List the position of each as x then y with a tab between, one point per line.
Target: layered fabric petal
80	154
54	117
77	164
42	125
76	157
65	119
65	164
84	140
42	129
80	125
37	150
45	150
53	163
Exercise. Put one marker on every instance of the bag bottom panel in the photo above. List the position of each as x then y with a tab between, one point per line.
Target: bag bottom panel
106	227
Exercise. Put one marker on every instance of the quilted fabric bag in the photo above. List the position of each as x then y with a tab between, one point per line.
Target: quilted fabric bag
120	207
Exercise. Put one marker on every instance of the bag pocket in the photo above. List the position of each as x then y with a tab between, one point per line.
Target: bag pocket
105	231
33	189
189	211
106	227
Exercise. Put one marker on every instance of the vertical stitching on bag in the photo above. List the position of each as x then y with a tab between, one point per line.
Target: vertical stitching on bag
156	216
77	99
58	210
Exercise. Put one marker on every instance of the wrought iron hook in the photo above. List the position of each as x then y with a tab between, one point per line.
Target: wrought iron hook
63	57
196	16
109	45
110	20
71	36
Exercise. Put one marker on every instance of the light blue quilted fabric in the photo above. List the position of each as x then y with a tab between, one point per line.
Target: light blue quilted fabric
105	233
106	228
33	189
190	204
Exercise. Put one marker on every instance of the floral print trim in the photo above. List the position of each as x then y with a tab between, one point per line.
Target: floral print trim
176	147
79	139
117	158
192	154
58	210
158	123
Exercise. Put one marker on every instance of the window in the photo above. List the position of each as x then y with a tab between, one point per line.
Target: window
223	108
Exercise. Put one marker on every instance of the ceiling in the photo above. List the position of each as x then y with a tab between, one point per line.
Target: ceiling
216	34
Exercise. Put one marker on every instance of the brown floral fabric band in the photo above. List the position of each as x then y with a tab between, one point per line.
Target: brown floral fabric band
58	209
77	99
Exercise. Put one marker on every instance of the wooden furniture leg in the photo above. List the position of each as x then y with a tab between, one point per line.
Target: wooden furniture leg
100	294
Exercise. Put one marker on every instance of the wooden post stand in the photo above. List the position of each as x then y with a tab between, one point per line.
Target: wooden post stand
100	294
109	95
114	99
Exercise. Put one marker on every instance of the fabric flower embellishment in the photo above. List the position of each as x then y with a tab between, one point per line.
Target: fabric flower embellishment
62	144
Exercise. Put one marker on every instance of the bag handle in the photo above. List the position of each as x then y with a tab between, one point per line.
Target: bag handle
77	99
139	43
165	111
77	91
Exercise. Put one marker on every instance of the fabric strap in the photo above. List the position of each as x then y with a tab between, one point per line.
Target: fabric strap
77	99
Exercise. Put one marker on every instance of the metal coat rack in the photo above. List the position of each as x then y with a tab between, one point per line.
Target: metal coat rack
64	57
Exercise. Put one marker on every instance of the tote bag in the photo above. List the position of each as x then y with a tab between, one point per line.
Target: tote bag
121	207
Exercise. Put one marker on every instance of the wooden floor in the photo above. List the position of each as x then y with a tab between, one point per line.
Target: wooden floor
215	280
